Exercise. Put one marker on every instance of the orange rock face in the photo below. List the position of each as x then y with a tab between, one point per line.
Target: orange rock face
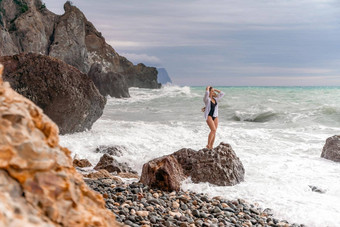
38	184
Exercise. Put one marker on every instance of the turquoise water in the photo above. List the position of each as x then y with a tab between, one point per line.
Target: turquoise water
277	132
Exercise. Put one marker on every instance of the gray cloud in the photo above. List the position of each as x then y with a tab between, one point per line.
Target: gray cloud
230	42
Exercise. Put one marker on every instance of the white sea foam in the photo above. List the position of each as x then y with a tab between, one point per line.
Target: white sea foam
281	156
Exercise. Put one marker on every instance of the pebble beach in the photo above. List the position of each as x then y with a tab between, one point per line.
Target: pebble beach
135	204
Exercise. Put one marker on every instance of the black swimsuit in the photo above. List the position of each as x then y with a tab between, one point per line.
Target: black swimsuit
212	110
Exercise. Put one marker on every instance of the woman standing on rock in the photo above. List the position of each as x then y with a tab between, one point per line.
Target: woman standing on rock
211	112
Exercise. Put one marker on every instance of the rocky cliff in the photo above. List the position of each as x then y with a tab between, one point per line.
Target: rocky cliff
38	184
27	26
65	94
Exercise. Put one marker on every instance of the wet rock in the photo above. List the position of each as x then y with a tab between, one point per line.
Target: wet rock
112	165
65	94
219	166
164	173
111	150
39	186
73	39
110	83
102	173
331	149
81	163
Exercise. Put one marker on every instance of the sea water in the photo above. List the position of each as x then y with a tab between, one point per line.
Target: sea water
277	132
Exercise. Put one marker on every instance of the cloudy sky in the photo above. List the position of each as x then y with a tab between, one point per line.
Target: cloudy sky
224	42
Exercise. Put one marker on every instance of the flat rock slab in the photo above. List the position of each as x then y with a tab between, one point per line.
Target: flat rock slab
219	166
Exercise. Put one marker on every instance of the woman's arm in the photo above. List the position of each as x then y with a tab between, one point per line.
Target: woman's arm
220	95
206	95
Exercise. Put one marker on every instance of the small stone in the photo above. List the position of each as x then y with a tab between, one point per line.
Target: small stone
247	224
132	218
133	212
184	224
175	205
228	209
153	219
196	213
175	214
203	215
217	210
142	213
155	201
150	208
254	211
172	193
224	205
155	195
184	207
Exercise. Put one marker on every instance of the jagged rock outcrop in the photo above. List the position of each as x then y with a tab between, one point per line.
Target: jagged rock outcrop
38	184
331	149
219	166
113	84
27	26
81	163
115	150
110	164
65	94
164	173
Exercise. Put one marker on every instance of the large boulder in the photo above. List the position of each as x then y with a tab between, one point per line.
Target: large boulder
27	26
331	149
219	166
113	84
38	184
65	94
164	173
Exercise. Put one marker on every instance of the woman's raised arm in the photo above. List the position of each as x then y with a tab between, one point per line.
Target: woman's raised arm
206	95
220	94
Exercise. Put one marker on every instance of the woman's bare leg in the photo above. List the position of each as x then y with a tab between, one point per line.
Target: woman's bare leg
216	125
212	133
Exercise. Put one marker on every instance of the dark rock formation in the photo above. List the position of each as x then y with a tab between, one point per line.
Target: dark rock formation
110	164
331	149
27	26
113	84
163	76
111	150
81	163
164	173
65	94
219	166
142	76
